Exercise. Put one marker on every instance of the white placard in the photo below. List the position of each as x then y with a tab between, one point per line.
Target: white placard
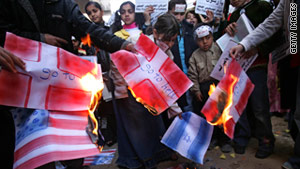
225	59
216	6
158	5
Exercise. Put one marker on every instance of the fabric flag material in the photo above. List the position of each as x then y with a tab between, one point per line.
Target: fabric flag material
154	78
189	136
45	136
105	157
53	79
234	84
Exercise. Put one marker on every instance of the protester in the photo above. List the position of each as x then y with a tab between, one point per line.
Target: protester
258	103
54	22
105	110
202	63
277	20
135	125
191	17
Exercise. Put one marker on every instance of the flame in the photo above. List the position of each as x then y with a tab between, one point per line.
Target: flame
151	109
87	40
212	88
229	101
90	83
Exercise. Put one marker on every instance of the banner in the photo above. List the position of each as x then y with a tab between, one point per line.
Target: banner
216	6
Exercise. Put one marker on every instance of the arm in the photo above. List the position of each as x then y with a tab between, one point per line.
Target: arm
266	29
100	36
193	75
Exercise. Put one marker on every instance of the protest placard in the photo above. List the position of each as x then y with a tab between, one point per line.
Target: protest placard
158	5
216	6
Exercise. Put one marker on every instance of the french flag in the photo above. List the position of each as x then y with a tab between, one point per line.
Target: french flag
44	136
189	136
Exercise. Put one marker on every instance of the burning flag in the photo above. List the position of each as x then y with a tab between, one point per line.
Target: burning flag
189	136
228	100
154	79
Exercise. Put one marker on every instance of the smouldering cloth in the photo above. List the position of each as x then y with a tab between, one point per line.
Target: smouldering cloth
202	31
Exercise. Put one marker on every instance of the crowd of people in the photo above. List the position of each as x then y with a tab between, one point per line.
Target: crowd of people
189	39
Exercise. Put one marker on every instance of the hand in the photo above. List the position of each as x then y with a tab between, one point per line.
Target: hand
231	29
199	96
180	116
147	14
54	40
209	17
9	60
250	53
130	47
236	51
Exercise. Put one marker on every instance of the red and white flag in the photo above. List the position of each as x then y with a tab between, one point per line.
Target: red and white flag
52	80
154	78
229	99
45	136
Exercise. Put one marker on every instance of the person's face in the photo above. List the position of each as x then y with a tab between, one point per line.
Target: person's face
237	3
95	14
127	14
205	42
167	41
191	18
178	15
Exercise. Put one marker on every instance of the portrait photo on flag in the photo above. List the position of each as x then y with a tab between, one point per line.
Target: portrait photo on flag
189	136
228	100
54	79
154	79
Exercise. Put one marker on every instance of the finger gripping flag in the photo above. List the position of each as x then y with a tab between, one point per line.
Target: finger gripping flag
229	99
155	80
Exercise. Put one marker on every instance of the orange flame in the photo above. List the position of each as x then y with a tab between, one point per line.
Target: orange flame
151	109
87	40
228	99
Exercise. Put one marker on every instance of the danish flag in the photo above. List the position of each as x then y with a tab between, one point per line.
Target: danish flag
235	83
52	77
153	77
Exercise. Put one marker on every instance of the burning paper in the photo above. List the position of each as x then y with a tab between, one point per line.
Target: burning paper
228	100
154	79
54	79
189	136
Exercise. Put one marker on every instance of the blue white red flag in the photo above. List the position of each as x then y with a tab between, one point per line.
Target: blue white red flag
45	136
105	157
189	136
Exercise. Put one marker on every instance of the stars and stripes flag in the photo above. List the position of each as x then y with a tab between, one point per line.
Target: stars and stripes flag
189	136
45	136
154	78
229	99
105	157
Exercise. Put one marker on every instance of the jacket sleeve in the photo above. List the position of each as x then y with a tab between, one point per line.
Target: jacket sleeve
266	29
8	22
101	37
193	75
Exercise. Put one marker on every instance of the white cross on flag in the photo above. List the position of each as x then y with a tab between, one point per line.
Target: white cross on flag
155	79
53	79
229	99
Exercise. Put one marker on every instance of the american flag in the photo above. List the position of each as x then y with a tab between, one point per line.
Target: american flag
44	136
105	157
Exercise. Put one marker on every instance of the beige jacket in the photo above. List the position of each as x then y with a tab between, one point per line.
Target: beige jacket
201	65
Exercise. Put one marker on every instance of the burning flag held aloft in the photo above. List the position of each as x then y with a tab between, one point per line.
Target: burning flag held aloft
154	79
228	100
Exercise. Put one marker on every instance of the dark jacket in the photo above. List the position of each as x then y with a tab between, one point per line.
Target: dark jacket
257	11
189	44
189	47
62	18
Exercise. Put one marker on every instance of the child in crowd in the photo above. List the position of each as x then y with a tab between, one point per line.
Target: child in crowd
135	125
202	63
191	17
258	104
